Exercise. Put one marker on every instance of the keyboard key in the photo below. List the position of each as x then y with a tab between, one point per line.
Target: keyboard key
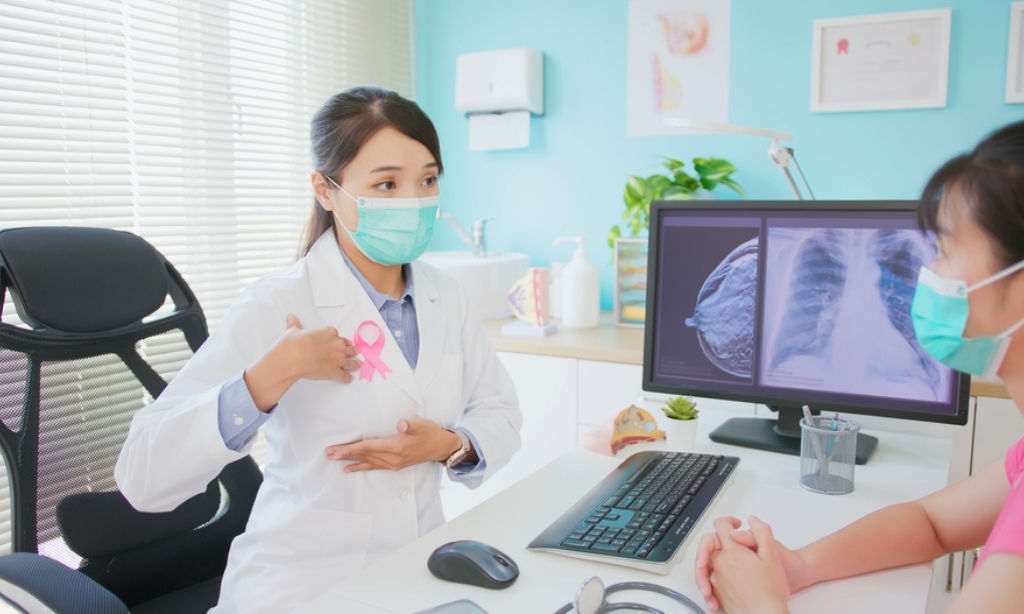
599	547
575	543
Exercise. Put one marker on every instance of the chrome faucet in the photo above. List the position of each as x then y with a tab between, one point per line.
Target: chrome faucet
477	243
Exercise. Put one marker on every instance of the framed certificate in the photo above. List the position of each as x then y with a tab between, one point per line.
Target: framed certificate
883	61
1015	57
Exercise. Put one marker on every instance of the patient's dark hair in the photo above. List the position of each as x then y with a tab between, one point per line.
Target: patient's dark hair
344	123
991	181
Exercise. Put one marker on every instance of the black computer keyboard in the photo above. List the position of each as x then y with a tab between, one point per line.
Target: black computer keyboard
643	510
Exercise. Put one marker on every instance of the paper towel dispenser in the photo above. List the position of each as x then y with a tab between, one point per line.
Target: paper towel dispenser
500	80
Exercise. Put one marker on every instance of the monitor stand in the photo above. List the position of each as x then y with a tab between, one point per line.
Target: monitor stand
781	435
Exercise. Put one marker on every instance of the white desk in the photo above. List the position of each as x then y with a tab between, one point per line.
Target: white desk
903	467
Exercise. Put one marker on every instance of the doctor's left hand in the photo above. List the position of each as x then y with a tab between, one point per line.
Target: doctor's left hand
418	441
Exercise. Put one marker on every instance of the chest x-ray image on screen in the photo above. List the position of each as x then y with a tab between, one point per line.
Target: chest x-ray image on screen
792	303
837	312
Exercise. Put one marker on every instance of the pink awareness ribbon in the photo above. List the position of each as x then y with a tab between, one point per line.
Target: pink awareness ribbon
371	352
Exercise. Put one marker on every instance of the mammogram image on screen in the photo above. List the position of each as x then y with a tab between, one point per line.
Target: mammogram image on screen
725	311
837	313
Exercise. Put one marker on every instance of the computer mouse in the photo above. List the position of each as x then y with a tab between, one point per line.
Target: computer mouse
472	562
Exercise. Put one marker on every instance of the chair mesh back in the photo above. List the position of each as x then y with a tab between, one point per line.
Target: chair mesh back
85	409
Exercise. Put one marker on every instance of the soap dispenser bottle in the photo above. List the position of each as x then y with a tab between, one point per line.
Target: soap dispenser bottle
580	292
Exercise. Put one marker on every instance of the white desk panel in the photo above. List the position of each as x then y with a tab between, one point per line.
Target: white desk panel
903	467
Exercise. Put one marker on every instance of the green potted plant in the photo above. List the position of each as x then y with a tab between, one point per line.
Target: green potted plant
676	184
630	252
681	426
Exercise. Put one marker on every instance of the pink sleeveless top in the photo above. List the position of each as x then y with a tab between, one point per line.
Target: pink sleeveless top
1008	533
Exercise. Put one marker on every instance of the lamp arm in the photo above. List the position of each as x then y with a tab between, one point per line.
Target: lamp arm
782	157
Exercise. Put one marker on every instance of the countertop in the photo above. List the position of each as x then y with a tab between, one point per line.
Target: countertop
610	343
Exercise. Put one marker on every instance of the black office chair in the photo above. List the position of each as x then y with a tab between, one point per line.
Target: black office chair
89	296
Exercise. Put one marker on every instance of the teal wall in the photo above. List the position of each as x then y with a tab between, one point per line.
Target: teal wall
570	179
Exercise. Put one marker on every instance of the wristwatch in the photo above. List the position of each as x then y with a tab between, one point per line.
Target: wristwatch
461	452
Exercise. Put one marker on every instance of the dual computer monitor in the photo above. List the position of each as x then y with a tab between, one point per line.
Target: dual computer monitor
793	303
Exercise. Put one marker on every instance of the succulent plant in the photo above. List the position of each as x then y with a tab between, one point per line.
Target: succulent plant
681	408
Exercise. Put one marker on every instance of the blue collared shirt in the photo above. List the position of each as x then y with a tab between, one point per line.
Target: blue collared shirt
240	419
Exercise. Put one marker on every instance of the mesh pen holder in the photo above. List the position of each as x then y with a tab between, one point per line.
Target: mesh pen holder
828	452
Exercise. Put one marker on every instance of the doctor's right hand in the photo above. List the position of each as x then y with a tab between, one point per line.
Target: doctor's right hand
300	354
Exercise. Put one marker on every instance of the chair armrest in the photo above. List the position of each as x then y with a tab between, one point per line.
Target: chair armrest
36	583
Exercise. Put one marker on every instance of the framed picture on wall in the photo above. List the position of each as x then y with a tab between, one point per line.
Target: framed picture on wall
883	61
1015	58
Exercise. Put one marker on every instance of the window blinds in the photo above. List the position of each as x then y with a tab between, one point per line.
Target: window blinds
185	122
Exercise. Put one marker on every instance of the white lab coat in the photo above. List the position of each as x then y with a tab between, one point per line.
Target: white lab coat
312	524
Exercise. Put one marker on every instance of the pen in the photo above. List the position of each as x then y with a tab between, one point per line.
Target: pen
822	460
830	444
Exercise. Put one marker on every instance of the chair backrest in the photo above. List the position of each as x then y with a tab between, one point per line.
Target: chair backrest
93	304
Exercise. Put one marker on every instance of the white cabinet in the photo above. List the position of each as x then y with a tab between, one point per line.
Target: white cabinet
605	389
994	426
546	387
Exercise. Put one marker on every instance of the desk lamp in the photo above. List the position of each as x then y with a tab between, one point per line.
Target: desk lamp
781	156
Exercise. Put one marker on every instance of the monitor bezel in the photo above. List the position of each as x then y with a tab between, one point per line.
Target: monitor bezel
658	207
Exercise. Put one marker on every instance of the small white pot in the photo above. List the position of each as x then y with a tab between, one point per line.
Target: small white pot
680	435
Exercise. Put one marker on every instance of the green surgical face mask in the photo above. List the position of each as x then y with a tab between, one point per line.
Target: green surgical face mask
392	230
939	313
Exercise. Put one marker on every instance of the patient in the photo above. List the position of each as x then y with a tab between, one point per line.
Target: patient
975	205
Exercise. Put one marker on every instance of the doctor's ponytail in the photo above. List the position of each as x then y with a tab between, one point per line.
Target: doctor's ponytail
344	123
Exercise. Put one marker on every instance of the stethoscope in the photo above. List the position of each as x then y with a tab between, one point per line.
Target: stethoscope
591	598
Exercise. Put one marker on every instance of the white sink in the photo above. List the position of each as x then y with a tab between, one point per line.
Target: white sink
487	280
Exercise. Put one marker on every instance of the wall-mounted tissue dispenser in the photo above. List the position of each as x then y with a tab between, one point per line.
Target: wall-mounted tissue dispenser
500	80
499	90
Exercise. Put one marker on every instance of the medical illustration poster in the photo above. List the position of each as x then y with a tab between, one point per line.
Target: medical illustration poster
707	312
886	61
816	336
678	63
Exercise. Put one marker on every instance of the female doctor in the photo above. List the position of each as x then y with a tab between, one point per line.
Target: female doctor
968	312
367	371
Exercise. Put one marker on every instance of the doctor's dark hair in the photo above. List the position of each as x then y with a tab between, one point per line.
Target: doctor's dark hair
991	180
344	123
